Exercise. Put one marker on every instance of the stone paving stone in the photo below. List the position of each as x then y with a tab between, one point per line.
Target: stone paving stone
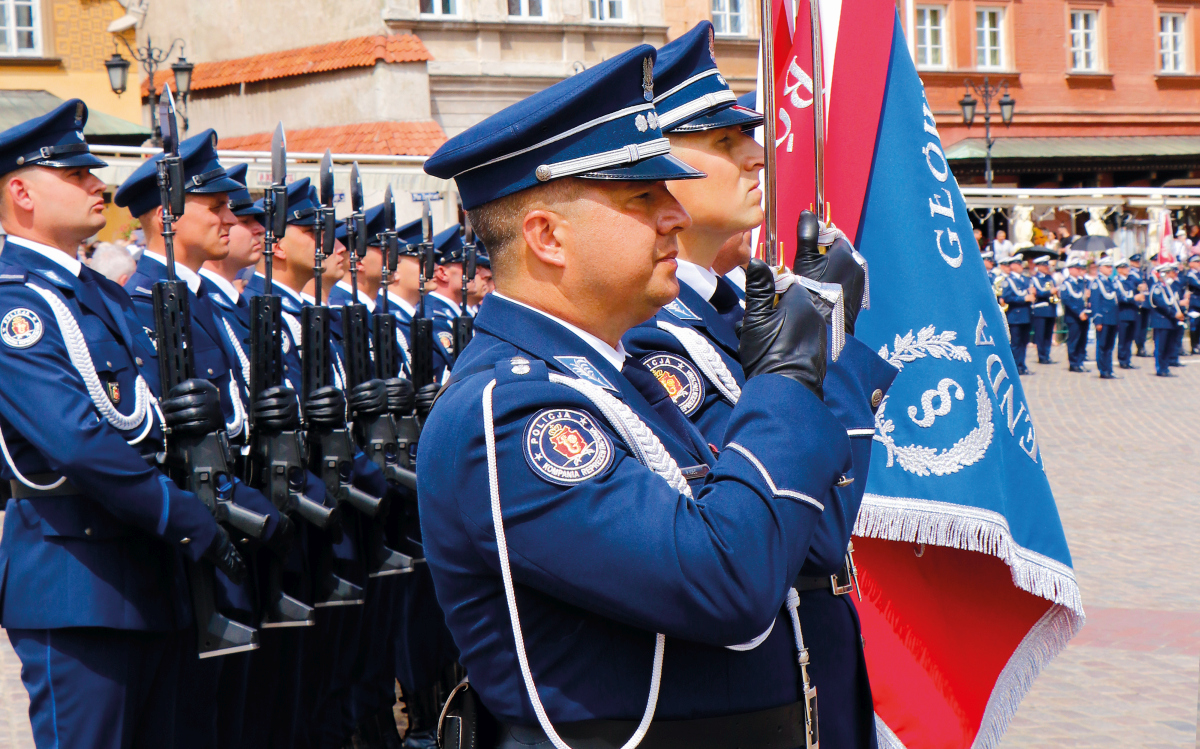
1122	458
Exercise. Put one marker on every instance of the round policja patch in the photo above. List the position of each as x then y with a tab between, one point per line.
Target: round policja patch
679	378
566	446
21	328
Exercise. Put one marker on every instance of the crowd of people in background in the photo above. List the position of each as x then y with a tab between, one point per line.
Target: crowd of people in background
1052	291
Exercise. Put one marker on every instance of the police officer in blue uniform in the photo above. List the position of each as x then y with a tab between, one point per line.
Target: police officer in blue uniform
1192	282
1075	295
1179	288
1128	299
1105	317
1142	282
94	597
1044	309
1018	293
551	456
443	303
201	234
1166	318
691	348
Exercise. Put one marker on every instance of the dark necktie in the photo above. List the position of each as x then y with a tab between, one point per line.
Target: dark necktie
726	302
644	381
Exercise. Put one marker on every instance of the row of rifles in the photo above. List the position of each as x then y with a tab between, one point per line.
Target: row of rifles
319	439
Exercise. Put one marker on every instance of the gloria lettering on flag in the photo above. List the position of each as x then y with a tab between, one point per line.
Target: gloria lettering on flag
966	578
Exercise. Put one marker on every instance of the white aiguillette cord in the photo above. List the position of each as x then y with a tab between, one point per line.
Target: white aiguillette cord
510	595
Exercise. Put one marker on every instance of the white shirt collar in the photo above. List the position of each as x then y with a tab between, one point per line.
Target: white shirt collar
50	253
295	295
402	303
362	295
737	277
453	304
615	357
226	288
187	275
308	299
702	280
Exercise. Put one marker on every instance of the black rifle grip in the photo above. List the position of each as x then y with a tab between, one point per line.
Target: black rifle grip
314	337
266	359
387	353
421	348
173	328
358	354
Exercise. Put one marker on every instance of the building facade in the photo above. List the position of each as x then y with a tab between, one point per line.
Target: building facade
1107	91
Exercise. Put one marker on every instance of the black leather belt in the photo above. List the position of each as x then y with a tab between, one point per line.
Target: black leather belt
777	728
20	491
839	583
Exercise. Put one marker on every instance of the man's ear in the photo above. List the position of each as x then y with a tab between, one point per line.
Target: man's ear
17	194
544	232
152	221
439	274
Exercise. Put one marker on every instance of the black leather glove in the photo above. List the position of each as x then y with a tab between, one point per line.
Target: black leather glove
193	408
425	397
276	410
787	338
222	553
368	399
837	265
400	396
325	408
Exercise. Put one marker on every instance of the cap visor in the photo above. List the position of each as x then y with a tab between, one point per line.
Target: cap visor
250	210
221	184
653	169
735	116
74	160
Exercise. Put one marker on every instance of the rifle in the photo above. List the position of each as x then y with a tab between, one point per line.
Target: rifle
331	447
464	323
278	459
203	460
421	327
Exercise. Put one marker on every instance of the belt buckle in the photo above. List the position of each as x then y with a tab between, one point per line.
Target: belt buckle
848	573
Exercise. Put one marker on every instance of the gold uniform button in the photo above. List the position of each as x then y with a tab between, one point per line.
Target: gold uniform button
138	361
87	531
185	540
876	398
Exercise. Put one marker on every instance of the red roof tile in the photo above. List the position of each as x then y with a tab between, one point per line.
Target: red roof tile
362	52
395	138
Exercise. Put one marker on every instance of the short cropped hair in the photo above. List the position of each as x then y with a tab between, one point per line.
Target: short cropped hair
498	222
112	261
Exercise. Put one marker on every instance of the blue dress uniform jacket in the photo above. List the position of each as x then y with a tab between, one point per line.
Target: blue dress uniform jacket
1127	305
110	555
1015	289
1164	305
1103	301
604	557
1043	307
1073	300
442	313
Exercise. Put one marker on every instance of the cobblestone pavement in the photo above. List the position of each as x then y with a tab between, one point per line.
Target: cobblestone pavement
1122	458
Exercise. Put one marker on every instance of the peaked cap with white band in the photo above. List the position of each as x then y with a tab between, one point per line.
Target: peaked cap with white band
202	175
599	124
690	93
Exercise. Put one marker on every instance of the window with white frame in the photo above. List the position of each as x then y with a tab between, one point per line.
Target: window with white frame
931	36
607	10
1084	41
20	28
989	38
439	7
1170	42
525	8
729	17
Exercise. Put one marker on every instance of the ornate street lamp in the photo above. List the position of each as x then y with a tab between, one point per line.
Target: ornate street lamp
151	58
968	103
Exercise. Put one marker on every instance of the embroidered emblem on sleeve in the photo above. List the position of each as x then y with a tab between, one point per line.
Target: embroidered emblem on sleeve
446	339
566	446
21	328
679	378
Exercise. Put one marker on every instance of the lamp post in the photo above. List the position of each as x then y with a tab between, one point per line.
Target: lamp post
151	58
968	103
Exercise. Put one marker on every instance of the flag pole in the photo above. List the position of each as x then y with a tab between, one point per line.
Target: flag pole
818	79
771	254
